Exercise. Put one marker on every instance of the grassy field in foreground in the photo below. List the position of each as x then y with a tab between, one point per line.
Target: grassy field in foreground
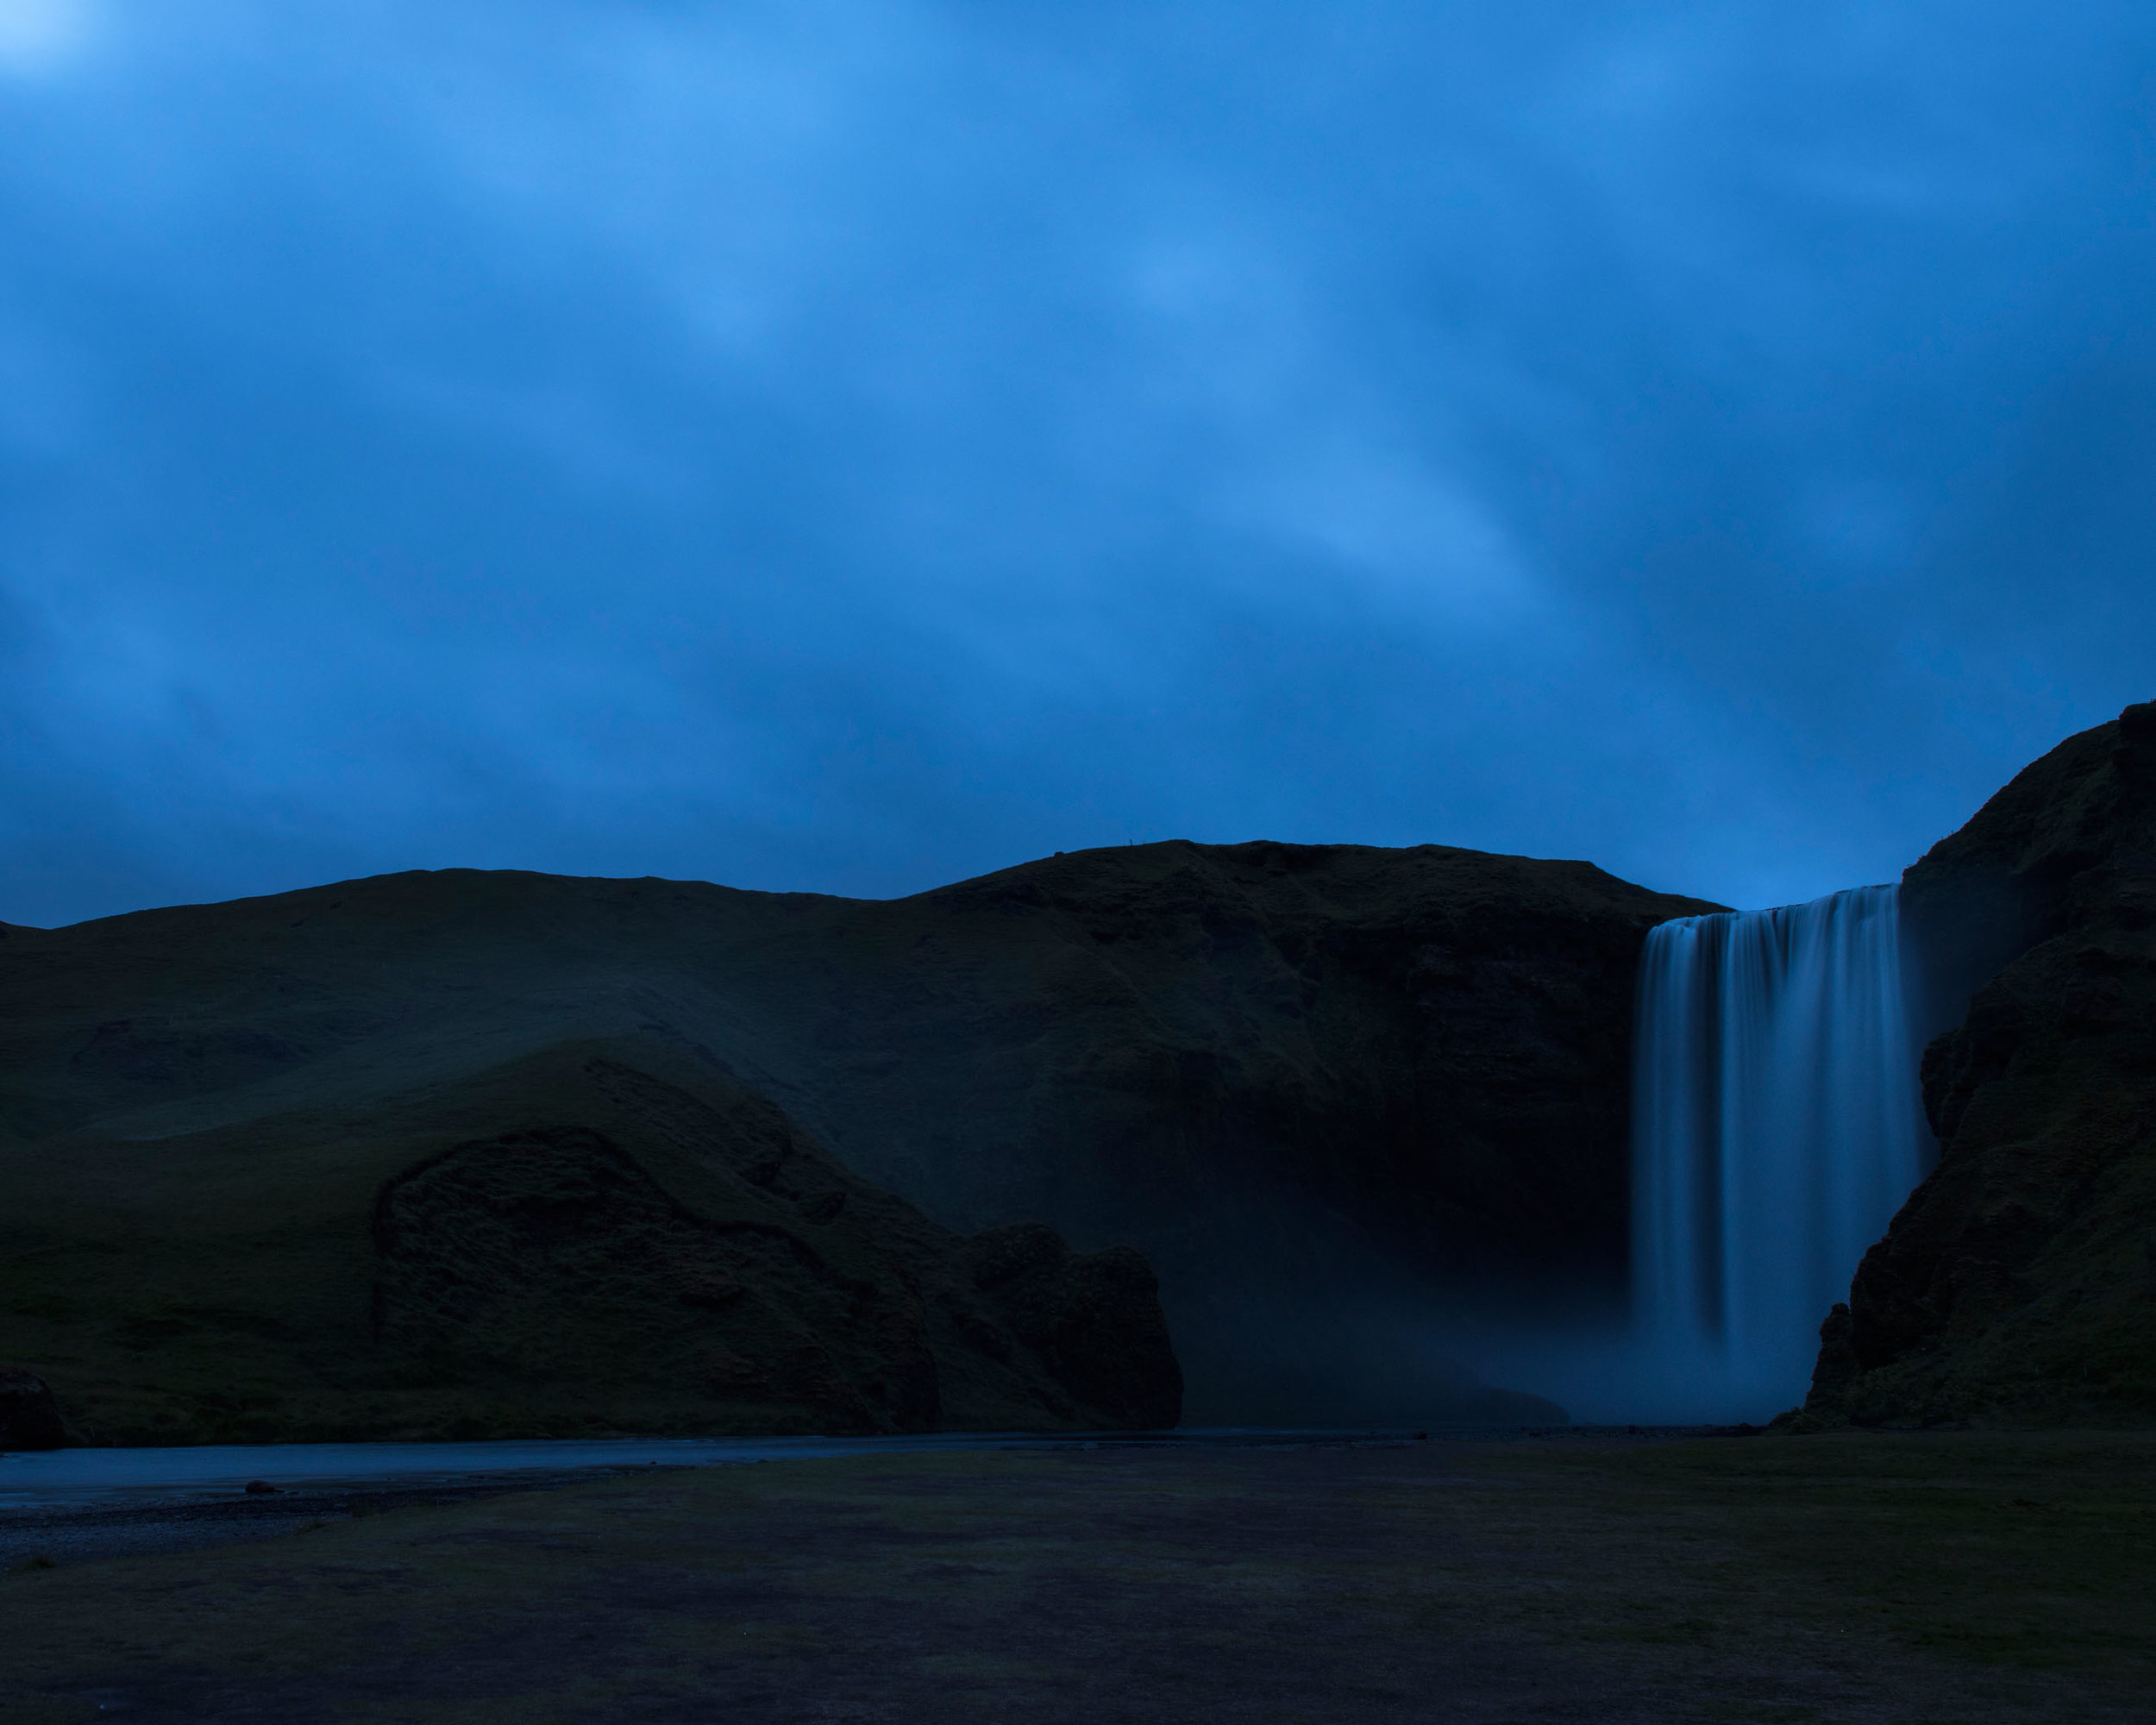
1942	1576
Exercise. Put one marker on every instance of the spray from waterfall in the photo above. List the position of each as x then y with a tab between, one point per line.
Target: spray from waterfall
1777	1128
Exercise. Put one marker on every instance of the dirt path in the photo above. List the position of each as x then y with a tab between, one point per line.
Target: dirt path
1960	1578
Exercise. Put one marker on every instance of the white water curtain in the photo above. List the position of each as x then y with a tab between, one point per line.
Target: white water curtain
1777	1128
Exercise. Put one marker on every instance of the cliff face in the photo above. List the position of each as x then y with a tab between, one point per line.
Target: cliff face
468	1150
2019	1281
1329	1090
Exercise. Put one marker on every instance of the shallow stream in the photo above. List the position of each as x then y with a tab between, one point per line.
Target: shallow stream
115	1479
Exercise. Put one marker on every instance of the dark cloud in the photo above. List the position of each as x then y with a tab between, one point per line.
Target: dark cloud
851	446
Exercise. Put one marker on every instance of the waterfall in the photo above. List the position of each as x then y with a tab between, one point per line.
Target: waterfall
1777	1128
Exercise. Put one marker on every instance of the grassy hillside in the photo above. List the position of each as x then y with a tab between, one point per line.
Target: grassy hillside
600	1236
1315	1086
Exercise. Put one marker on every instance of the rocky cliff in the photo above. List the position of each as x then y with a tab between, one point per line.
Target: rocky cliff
488	1152
2019	1281
1331	1091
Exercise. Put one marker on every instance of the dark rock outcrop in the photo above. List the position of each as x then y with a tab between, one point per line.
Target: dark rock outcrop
2019	1281
29	1418
552	1257
1095	1318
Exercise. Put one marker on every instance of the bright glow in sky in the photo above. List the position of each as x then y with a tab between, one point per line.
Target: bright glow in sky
39	35
856	444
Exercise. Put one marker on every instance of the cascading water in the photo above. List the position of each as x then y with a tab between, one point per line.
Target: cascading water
1777	1128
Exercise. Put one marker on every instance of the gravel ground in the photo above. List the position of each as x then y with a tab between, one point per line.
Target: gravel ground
188	1524
1927	1580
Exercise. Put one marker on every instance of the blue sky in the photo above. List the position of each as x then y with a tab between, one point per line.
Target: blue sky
852	445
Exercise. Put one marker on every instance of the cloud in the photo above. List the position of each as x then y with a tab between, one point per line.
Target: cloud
854	445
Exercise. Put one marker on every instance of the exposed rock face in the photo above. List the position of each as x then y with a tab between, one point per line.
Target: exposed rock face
2019	1281
354	1145
29	1418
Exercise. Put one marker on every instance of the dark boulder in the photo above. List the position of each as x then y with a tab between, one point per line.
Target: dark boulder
1094	1317
29	1418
